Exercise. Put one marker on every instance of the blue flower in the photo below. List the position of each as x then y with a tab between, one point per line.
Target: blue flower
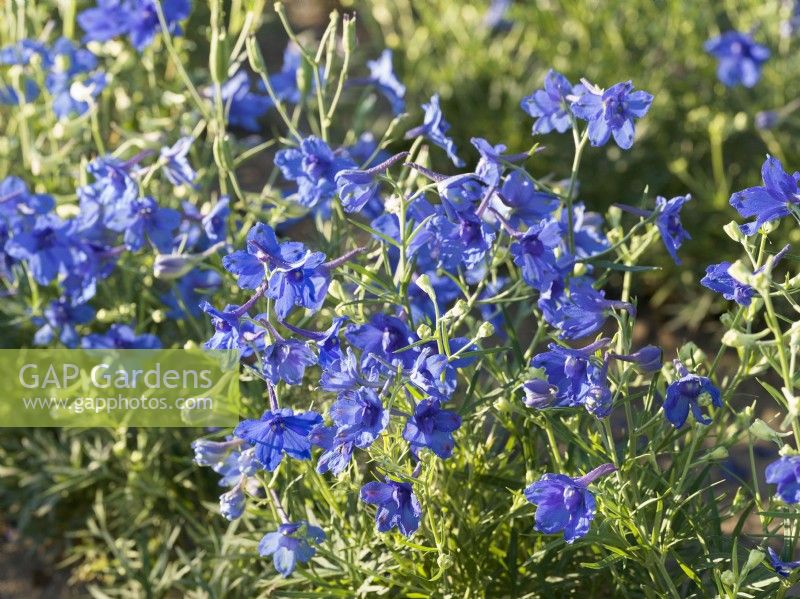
587	232
669	225
185	297
284	83
177	167
232	503
766	119
382	76
286	360
277	433
121	336
360	416
528	204
435	128
435	374
717	279
289	545
775	199
534	253
231	331
573	378
565	503
492	163
611	112
338	450
136	18
142	218
313	166
327	341
397	505
358	187
785	472
59	318
687	392
549	106
22	52
782	568
740	58
213	453
431	427
383	337
215	223
579	311
47	248
648	358
243	106
345	373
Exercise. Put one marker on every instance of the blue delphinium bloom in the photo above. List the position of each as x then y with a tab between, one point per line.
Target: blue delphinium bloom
685	393
534	253
574	377
185	297
434	374
47	248
176	163
549	106
22	52
215	223
358	187
564	503
397	505
313	166
338	450
69	67
213	453
360	416
740	58
528	205
231	331
278	432
435	128
382	337
611	112
142	218
431	427
775	199
785	472
299	276
121	336
243	106
382	76
766	119
289	545
579	311
286	360
136	18
10	97
347	373
717	279
587	232
782	568
648	358
669	225
232	503
59	318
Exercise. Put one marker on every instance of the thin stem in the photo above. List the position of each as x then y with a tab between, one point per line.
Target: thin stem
580	144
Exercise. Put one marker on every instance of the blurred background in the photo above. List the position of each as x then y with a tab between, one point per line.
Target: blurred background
119	511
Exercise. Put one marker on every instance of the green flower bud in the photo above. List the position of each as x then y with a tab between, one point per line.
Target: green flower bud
485	330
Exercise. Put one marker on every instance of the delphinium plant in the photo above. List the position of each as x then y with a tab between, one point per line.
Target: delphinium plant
445	394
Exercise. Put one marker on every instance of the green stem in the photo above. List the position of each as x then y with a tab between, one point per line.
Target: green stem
580	144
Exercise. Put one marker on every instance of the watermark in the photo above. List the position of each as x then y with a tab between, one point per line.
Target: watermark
89	388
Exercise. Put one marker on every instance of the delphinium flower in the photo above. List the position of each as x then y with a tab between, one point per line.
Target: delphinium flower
59	319
669	225
687	392
47	248
347	372
338	450
740	58
493	161
435	374
327	341
232	331
279	432
775	199
397	505
10	97
289	545
782	568
286	360
785	473
213	453
434	128
611	112
215	223
579	310
573	377
144	218
765	120
647	359
564	503
111	192
299	277
176	163
21	54
384	79
495	17
528	205
422	308
120	336
138	19
67	64
717	279
358	187
533	252
383	337
313	166
431	427
243	106
587	232
550	106
360	416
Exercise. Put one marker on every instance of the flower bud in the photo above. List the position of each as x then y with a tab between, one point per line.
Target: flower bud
754	558
761	430
734	232
728	578
719	453
734	338
485	330
424	331
173	266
